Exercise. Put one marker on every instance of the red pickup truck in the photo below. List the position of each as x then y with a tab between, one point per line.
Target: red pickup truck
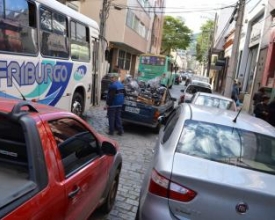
53	165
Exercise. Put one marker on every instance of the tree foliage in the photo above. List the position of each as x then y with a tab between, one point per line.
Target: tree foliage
204	40
176	35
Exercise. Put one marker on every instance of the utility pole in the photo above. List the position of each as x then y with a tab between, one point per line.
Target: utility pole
103	44
152	40
233	62
103	17
211	45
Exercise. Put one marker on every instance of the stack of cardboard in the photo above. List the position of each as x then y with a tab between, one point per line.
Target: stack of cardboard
152	101
145	100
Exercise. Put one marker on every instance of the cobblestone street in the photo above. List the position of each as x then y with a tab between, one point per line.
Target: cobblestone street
136	146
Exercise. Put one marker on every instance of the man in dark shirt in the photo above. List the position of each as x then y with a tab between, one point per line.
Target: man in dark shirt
261	108
271	112
114	102
258	96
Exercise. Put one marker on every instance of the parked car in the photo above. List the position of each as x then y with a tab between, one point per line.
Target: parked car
146	106
53	165
184	76
201	78
213	100
193	87
178	79
200	83
210	164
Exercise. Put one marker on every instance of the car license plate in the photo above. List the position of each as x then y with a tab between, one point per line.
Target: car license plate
132	109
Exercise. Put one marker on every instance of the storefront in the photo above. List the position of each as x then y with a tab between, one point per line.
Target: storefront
250	68
269	70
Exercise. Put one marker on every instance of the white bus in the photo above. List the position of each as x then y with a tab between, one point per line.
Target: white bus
47	53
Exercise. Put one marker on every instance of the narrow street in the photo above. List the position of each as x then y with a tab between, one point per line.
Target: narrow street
136	147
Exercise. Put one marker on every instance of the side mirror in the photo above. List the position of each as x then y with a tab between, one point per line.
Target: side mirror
108	148
188	101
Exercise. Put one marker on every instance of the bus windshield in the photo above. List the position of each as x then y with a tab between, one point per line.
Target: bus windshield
156	67
152	60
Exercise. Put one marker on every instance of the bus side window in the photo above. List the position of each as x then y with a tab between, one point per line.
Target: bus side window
80	42
18	31
54	40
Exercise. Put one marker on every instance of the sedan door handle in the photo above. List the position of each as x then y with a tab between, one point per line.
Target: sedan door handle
73	193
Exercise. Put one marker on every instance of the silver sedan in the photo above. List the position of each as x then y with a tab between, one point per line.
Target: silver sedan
210	164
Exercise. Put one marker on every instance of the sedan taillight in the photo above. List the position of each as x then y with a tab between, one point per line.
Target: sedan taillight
163	187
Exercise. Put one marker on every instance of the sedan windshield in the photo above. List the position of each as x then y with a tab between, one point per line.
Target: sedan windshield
213	102
228	145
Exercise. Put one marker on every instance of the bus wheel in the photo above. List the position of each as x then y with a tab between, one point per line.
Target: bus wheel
77	104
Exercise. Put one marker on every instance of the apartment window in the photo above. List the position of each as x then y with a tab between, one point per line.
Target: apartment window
121	58
142	30
134	23
124	60
145	5
128	61
130	18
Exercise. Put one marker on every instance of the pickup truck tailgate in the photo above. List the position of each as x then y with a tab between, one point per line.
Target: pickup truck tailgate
140	113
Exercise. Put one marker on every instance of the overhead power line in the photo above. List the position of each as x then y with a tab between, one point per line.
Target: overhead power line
179	9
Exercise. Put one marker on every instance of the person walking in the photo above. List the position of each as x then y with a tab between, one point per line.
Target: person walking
235	92
114	102
261	108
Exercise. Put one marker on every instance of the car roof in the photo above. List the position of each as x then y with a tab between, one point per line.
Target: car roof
7	105
214	95
225	117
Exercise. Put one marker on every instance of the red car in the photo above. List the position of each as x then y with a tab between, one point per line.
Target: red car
53	165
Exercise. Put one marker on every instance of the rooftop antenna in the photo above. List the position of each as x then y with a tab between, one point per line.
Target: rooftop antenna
235	119
23	97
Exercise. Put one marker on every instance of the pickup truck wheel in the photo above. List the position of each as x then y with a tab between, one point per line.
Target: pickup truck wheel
110	199
77	104
156	129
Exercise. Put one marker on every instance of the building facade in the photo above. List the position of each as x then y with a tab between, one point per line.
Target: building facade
255	66
128	28
131	28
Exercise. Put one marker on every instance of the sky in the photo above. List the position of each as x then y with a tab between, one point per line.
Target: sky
195	12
